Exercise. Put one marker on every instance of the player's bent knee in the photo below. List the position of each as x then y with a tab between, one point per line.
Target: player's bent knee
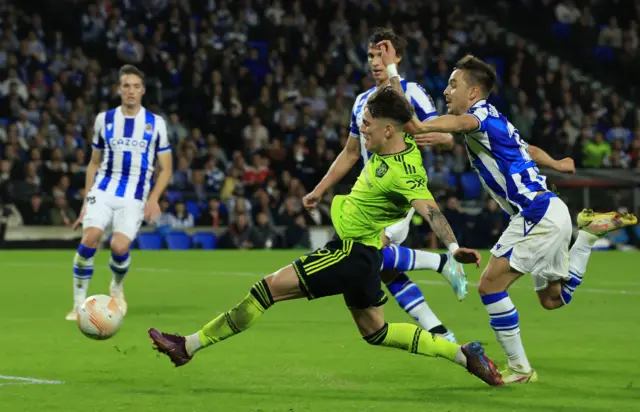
91	237
551	297
120	244
389	276
369	321
284	284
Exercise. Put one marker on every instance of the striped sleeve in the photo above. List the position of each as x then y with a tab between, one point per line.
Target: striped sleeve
481	113
423	103
354	130
163	138
98	132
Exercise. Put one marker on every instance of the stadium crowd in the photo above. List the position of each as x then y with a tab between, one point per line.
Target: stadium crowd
257	96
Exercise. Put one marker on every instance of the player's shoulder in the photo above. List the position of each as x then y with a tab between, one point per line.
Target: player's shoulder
361	98
406	163
157	119
484	109
415	88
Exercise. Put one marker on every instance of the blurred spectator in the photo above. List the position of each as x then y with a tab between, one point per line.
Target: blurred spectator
240	234
180	218
35	213
596	151
297	235
213	216
61	213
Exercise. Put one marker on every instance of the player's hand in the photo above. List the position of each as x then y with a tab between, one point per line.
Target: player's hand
433	139
388	52
311	200
78	221
151	211
466	256
566	165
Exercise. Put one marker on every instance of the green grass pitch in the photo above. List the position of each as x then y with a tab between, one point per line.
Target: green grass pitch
301	356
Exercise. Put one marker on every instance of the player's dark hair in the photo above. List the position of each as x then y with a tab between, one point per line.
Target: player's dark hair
390	104
382	33
131	69
478	73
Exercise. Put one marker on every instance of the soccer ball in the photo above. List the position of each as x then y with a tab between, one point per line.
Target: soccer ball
99	317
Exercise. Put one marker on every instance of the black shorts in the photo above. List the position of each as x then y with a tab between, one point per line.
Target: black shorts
343	267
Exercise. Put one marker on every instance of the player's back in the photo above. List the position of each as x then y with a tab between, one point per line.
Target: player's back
501	159
130	145
420	100
381	196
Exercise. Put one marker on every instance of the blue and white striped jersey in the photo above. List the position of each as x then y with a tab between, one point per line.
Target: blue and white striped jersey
419	98
130	146
502	160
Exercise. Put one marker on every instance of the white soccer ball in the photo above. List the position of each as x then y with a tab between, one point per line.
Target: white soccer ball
99	317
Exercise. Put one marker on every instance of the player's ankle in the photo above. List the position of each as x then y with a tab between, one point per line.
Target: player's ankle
461	359
192	344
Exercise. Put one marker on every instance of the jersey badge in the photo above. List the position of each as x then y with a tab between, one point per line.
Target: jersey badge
382	169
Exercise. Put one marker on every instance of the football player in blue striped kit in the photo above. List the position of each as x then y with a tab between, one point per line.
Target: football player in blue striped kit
127	141
537	239
397	259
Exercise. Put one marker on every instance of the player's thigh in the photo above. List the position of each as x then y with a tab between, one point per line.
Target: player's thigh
369	320
551	250
497	276
284	284
321	272
98	214
362	286
128	217
397	233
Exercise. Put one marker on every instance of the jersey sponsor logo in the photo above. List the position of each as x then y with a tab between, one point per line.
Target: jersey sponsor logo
416	183
128	144
382	169
91	199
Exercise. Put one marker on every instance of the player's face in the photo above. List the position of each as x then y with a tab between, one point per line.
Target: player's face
377	67
131	90
373	132
457	94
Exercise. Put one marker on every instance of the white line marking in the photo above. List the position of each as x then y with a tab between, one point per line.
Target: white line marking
249	274
20	380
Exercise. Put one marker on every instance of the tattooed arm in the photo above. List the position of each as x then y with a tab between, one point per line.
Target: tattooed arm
429	210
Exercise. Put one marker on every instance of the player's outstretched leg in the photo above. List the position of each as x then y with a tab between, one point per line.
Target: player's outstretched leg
504	319
410	298
404	259
119	265
592	226
83	268
282	285
414	339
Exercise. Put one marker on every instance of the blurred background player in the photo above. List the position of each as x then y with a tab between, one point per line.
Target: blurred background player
397	259
538	236
126	142
391	183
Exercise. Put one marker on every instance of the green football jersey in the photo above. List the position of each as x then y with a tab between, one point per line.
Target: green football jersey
381	196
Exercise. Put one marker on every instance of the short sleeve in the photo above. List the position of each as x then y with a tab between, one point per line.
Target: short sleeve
98	134
412	187
163	138
482	115
423	104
